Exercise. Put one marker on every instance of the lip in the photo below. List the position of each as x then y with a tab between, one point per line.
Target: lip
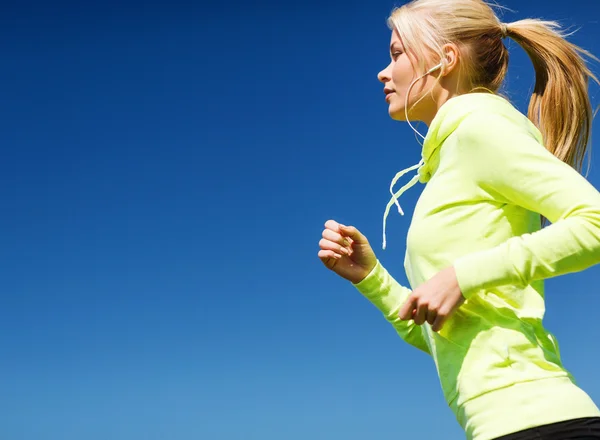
388	93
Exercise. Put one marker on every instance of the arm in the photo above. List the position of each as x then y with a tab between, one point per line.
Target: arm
507	160
388	295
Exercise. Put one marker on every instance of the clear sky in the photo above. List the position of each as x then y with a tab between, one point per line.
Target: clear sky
166	173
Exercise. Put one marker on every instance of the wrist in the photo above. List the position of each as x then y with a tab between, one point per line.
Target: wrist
364	274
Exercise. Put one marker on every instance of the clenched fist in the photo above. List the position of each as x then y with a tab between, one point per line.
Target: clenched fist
347	252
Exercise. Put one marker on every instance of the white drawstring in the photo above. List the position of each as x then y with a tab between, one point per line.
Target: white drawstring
395	196
415	179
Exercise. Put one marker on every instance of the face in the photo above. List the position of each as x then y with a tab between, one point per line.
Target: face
398	76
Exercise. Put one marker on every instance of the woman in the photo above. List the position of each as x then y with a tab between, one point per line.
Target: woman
476	253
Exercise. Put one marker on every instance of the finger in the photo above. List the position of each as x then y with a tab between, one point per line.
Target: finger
438	323
353	233
330	235
329	258
431	316
421	314
332	246
407	308
333	225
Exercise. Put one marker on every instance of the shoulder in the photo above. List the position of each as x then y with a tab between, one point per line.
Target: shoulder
495	133
502	123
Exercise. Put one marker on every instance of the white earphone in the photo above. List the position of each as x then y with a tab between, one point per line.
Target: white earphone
433	69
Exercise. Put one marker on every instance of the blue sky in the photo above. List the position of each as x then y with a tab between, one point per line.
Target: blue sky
167	169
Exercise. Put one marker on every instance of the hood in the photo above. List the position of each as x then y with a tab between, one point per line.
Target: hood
445	122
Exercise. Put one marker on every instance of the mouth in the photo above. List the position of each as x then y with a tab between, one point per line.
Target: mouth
388	93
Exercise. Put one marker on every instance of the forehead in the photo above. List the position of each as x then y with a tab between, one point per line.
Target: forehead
395	39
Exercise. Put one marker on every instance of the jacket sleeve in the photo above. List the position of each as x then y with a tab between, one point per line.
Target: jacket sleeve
508	161
388	296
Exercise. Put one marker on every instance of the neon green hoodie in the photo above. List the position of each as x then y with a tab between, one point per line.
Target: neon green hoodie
487	177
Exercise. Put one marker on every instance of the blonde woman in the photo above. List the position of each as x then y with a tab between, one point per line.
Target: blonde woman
476	253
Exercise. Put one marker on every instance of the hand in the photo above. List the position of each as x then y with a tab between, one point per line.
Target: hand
434	301
347	252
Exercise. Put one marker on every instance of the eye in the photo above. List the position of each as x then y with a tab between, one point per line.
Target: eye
396	54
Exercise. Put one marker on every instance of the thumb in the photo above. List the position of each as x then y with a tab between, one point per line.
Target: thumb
407	310
353	233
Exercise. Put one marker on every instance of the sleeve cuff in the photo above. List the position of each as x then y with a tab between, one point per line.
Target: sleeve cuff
374	282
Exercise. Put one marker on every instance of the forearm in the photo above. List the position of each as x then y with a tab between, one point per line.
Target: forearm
510	164
567	246
385	293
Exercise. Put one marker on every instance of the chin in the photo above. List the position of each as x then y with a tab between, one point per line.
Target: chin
397	114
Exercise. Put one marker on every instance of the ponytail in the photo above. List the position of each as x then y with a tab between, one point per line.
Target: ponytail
560	105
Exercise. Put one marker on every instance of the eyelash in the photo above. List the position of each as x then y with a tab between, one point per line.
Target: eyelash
396	55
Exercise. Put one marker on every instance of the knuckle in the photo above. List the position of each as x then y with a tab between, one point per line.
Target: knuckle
445	310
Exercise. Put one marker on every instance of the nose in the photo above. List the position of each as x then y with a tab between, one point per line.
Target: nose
384	75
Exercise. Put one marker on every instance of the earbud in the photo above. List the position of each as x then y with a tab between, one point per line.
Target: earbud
434	68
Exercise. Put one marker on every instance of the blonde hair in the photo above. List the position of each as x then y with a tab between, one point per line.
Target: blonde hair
560	105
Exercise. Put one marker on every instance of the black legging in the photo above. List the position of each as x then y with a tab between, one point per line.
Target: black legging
576	429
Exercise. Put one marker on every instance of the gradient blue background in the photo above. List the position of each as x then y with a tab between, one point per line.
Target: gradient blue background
166	172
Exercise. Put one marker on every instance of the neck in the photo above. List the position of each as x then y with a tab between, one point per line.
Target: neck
437	102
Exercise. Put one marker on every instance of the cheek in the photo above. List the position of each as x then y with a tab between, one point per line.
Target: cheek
396	70
400	74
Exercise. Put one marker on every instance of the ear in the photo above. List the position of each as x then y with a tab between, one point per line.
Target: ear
451	58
